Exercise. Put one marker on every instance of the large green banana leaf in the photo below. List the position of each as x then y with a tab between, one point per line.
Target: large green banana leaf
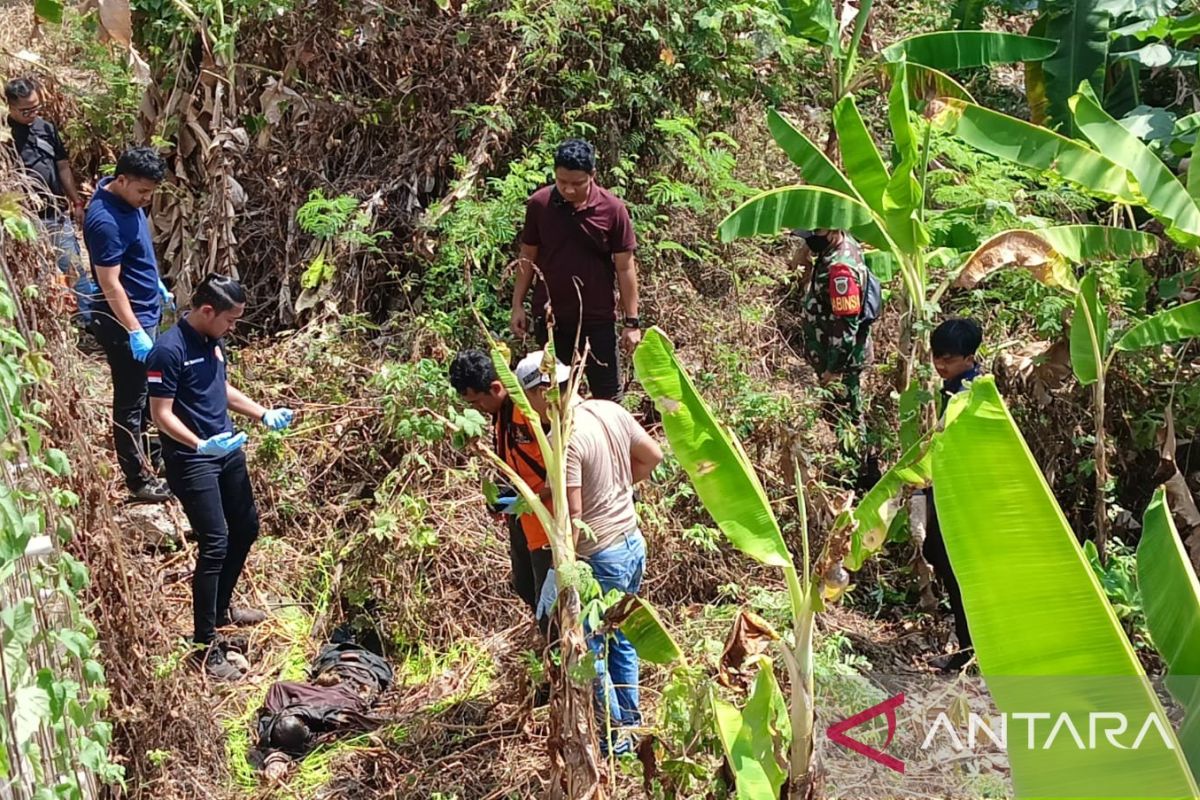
903	196
710	454
1045	636
860	157
756	738
802	207
927	83
1081	27
1084	244
1089	331
814	20
644	629
873	514
1033	146
1171	600
948	51
1172	325
1164	196
815	166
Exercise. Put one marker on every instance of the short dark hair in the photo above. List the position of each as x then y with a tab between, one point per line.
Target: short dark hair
472	369
957	336
575	154
142	162
19	89
219	291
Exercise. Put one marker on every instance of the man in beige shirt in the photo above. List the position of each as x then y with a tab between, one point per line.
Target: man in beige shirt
608	453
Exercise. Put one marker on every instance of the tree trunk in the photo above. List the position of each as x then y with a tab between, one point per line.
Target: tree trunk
1101	458
574	755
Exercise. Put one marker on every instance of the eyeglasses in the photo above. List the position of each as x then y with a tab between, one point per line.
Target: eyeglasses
28	112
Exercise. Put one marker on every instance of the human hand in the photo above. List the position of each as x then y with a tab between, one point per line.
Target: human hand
140	344
519	322
221	444
168	297
630	337
505	503
278	418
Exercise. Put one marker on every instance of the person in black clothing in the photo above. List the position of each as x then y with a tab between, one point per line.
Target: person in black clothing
954	344
190	400
45	158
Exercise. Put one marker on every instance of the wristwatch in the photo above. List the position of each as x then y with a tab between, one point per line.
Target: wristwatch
631	322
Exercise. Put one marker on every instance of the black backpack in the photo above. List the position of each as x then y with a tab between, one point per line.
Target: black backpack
872	299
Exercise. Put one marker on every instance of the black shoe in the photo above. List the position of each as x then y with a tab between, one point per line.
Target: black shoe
954	662
154	491
216	666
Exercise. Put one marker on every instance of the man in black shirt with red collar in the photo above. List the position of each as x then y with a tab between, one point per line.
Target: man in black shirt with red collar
190	401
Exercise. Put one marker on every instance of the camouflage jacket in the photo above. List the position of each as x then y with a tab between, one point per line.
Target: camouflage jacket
832	343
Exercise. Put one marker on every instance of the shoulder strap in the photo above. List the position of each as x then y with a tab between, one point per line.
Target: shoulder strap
557	201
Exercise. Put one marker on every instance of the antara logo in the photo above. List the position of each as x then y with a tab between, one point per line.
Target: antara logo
837	732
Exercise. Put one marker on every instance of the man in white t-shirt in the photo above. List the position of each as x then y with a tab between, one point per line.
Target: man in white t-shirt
608	453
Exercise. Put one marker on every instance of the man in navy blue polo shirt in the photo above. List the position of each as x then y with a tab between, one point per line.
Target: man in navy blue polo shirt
126	315
190	400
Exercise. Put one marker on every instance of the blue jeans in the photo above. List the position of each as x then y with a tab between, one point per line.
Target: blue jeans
619	567
61	232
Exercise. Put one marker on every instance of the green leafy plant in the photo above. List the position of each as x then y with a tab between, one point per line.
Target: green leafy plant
341	226
768	731
1069	654
53	685
880	205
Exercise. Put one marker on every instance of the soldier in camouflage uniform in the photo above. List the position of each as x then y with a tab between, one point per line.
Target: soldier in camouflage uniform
837	342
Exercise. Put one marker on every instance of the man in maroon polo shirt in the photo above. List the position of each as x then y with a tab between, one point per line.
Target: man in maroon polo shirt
579	232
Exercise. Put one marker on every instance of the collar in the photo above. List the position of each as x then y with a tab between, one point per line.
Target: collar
16	125
593	199
109	197
956	384
194	335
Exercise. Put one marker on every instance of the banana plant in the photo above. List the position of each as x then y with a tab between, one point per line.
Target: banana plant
1107	43
756	737
575	758
1046	639
1171	601
1093	346
880	204
1119	168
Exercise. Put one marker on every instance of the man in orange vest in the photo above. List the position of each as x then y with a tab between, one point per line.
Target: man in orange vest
473	376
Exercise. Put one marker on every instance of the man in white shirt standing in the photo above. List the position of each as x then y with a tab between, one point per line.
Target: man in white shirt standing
608	453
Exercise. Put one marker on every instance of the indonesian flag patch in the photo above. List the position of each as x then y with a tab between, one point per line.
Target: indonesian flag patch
153	376
845	295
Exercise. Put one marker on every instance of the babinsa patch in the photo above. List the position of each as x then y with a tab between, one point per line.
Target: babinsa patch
845	295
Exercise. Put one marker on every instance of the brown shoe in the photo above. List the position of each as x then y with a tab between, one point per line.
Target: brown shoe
243	617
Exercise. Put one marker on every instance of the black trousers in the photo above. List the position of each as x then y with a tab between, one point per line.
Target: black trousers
934	551
529	567
219	503
130	402
603	367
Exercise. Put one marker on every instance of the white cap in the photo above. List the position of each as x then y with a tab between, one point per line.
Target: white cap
529	371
